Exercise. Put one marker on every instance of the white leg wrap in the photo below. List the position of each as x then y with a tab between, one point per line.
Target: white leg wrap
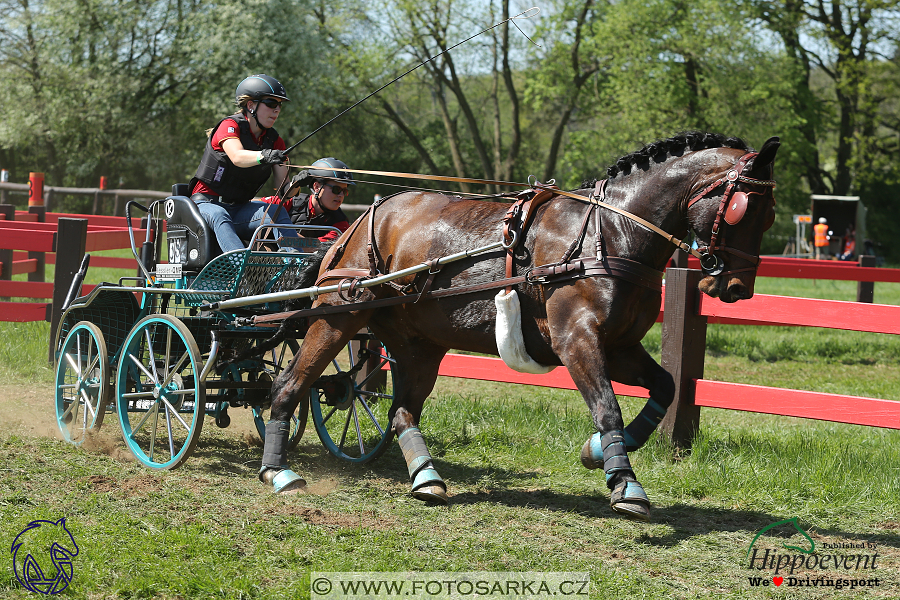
510	342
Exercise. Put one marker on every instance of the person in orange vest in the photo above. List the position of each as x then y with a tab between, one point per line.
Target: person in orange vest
821	238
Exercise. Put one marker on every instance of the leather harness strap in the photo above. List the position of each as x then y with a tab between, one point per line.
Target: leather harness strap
517	219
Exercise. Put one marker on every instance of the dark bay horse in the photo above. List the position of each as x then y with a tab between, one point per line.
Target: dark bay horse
592	325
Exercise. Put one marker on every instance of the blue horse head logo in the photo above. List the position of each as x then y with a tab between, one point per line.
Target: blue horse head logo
40	543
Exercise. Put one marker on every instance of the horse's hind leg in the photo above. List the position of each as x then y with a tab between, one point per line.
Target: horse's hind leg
606	448
324	340
633	366
415	373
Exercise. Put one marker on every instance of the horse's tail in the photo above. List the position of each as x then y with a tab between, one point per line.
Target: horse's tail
306	278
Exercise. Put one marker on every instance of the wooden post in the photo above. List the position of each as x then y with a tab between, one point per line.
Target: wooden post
40	268
6	256
69	243
683	352
680	259
865	290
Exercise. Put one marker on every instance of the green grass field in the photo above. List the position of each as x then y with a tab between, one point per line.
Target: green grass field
520	499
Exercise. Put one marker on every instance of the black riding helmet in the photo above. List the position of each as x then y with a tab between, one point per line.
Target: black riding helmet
324	169
259	87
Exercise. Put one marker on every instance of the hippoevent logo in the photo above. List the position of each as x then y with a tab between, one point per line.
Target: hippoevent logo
40	545
802	566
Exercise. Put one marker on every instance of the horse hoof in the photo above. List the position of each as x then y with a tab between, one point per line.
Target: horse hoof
629	500
433	494
283	481
587	457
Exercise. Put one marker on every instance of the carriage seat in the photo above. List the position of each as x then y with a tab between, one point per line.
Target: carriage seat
191	241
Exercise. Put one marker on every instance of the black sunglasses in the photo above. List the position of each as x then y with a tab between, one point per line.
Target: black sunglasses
271	103
338	190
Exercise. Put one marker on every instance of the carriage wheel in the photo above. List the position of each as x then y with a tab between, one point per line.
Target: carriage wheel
82	382
275	361
161	402
350	412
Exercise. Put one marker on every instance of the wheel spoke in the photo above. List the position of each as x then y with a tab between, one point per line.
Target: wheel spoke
325	420
344	432
140	424
73	364
150	376
87	403
370	413
169	410
169	407
151	357
155	428
175	370
362	446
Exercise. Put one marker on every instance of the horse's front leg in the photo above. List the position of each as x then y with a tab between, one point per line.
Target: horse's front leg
324	340
587	364
633	366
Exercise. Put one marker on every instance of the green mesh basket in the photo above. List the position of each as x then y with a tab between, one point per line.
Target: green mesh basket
113	311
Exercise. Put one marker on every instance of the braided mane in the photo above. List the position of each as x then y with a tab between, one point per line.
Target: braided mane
676	145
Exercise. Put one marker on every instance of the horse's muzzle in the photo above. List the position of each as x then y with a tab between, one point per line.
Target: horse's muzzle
726	288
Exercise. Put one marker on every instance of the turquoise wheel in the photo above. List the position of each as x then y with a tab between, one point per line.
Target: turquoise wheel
274	362
82	382
350	410
161	400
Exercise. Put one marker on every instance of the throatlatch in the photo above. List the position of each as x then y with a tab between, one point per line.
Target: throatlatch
426	483
274	469
638	431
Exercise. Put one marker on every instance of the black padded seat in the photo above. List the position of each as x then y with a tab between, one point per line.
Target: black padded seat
191	241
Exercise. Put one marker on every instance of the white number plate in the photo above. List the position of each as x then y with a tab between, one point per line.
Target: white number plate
168	272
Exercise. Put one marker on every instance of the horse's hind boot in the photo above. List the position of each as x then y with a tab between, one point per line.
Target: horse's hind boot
274	469
427	485
638	431
628	497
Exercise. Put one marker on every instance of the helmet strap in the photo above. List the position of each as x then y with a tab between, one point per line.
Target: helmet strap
256	118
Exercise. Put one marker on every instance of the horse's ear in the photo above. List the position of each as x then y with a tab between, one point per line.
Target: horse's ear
767	153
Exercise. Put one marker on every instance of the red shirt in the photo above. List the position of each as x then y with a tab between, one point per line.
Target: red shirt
227	130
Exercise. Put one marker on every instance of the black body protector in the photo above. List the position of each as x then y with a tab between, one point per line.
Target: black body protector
301	215
234	184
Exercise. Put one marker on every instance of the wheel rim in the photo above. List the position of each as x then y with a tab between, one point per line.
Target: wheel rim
161	402
353	423
275	361
82	383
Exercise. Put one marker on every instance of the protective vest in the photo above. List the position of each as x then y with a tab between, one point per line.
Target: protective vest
821	230
300	215
234	184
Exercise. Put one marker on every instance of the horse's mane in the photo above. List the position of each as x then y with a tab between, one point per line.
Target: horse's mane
676	145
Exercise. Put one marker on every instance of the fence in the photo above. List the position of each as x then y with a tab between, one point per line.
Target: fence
686	313
99	196
32	236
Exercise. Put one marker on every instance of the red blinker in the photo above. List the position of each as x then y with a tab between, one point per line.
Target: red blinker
737	206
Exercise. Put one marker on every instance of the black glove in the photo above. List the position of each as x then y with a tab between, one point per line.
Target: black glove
292	188
271	156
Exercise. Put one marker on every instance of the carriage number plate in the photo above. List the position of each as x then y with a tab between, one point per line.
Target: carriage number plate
168	272
177	250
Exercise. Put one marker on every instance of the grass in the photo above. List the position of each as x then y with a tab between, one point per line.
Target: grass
520	499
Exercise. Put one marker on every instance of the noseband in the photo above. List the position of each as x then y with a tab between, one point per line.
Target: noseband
731	210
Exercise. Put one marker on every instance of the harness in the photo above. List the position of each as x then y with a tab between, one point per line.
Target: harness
515	222
731	209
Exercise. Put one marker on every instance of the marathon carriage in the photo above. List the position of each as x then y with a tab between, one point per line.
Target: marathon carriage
144	349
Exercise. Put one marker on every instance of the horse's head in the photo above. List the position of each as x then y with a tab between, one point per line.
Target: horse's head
731	209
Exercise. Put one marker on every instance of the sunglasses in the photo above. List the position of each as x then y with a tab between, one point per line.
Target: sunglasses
338	190
271	103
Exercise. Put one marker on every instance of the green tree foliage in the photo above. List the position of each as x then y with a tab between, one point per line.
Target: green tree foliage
127	89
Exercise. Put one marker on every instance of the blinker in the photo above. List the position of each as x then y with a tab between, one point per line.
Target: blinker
737	206
711	264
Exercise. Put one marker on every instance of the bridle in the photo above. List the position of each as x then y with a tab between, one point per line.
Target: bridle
731	210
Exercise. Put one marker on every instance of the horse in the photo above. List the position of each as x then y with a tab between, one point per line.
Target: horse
571	316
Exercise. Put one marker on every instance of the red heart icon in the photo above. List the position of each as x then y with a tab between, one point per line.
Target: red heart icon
778	580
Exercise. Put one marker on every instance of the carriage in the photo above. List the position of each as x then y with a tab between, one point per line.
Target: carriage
145	349
560	278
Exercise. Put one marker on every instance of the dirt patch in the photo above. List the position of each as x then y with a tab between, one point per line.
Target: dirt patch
28	410
369	519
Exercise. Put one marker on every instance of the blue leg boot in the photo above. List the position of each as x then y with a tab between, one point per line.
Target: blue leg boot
427	485
274	469
628	497
638	431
